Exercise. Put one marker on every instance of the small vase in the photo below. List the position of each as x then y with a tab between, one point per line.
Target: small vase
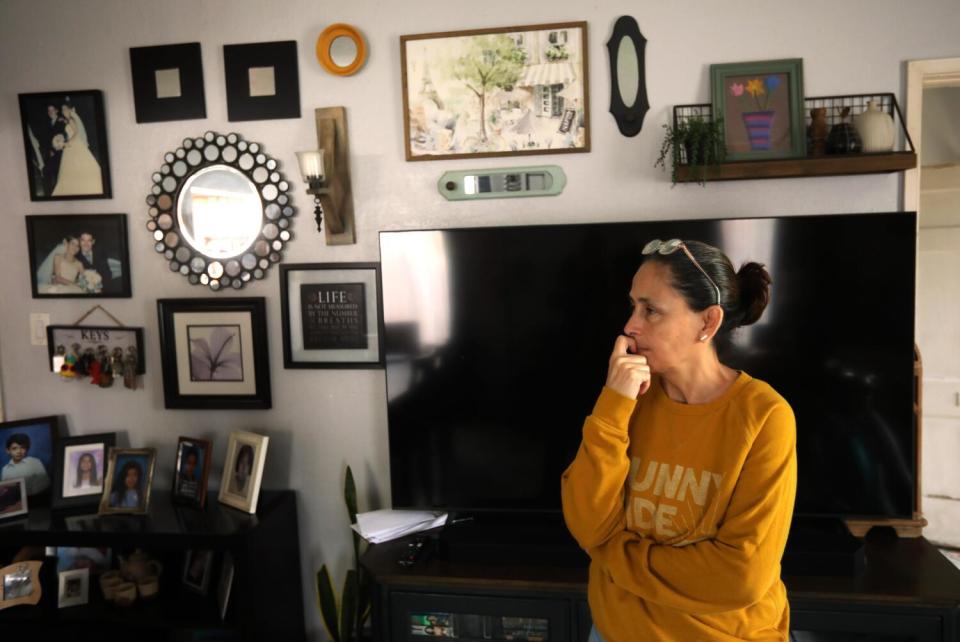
843	137
875	127
817	132
759	124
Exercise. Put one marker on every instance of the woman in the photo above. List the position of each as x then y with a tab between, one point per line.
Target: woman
87	472
79	170
683	487
242	469
67	268
128	492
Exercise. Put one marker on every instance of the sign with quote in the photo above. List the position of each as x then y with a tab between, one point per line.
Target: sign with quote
334	316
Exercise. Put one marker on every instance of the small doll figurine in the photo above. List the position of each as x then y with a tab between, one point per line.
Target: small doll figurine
130	368
116	362
85	361
69	365
105	378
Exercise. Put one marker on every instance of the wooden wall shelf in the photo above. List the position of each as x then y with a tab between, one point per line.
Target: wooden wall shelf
840	165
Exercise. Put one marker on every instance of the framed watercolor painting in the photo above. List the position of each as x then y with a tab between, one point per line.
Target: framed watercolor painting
65	140
496	92
761	107
214	353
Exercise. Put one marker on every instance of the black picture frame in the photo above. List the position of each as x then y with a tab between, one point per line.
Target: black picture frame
70	448
91	336
46	237
229	338
45	152
284	99
345	345
187	491
183	65
43	434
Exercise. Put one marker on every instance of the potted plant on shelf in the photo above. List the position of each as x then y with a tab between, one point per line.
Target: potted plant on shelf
694	142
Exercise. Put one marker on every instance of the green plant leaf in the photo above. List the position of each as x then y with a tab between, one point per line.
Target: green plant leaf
328	604
348	612
350	496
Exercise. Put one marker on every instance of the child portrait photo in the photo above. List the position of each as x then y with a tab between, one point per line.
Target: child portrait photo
191	472
128	481
28	453
80	466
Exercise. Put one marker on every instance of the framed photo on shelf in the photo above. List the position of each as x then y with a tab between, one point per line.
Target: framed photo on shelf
29	446
761	107
74	587
20	583
191	472
78	256
128	481
13	498
214	353
331	315
262	80
79	470
243	470
197	570
168	82
65	139
496	92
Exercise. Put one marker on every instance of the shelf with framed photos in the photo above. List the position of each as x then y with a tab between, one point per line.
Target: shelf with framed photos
903	156
263	549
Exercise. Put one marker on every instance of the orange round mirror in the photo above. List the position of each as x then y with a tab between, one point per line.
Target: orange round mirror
341	49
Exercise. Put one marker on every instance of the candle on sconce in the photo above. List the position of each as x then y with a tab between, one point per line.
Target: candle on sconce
311	165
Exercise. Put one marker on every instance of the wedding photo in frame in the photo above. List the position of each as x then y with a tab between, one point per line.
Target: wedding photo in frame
214	353
79	470
496	92
81	256
128	481
331	315
65	140
192	471
243	470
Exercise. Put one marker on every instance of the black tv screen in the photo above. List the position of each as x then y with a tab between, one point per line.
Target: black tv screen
497	342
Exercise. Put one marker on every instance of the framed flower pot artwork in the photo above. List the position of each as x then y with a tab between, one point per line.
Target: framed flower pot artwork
214	353
65	140
761	107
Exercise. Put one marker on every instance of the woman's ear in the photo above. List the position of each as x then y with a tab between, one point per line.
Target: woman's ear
712	320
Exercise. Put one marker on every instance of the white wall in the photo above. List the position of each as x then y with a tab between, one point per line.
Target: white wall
941	135
324	419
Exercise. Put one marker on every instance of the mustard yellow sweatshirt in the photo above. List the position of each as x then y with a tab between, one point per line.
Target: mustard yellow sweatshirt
684	511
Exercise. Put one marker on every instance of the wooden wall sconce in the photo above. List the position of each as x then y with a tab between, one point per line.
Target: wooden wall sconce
327	174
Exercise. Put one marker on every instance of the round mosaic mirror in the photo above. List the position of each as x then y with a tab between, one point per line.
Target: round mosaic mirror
219	211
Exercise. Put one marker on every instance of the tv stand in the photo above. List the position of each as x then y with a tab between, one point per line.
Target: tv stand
508	539
822	546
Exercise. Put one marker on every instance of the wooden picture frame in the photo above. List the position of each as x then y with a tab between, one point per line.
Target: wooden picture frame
214	353
76	485
761	107
168	82
535	77
65	163
192	471
20	584
262	80
331	315
13	498
28	452
78	256
124	492
243	470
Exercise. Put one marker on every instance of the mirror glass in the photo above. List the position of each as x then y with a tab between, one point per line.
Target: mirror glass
628	71
219	211
343	51
512	182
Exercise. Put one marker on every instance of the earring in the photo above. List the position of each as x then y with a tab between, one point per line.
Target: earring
703	337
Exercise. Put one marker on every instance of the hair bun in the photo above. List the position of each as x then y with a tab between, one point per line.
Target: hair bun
754	283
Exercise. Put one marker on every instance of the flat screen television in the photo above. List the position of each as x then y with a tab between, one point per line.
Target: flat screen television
497	341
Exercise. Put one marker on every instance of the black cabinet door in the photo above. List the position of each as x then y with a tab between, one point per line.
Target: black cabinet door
876	626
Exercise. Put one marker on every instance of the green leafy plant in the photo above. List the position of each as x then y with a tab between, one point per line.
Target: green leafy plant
692	142
344	621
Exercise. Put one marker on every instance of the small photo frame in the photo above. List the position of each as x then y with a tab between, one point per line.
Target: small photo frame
761	106
20	584
243	470
262	80
196	570
80	466
13	498
29	447
65	139
191	472
129	480
214	353
74	587
81	256
331	315
168	82
225	584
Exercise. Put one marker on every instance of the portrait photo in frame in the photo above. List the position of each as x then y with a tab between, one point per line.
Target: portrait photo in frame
331	315
192	471
197	569
81	256
13	498
243	470
74	587
214	353
29	447
262	80
79	470
496	92
128	481
761	106
65	139
168	82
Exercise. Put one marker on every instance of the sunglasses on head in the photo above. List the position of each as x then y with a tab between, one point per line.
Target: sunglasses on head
657	246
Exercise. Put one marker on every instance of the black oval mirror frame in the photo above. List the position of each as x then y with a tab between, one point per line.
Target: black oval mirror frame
629	119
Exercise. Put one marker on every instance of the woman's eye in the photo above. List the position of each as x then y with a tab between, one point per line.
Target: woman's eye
651	311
